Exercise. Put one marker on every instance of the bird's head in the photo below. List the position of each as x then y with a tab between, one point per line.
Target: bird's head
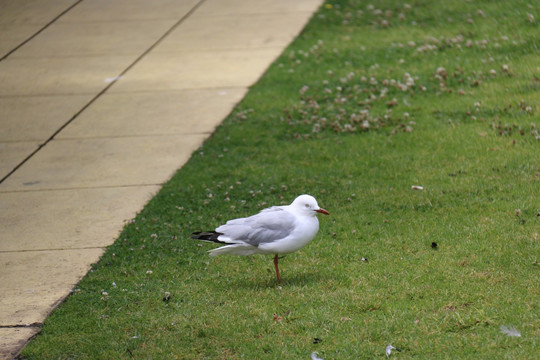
308	204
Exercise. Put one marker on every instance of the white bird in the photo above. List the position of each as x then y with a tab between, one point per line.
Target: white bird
276	230
389	349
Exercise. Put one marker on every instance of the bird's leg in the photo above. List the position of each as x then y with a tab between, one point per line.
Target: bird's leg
276	258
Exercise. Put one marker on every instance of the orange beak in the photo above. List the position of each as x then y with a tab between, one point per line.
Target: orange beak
322	211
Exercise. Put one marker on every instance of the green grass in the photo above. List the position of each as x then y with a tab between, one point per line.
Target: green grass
316	123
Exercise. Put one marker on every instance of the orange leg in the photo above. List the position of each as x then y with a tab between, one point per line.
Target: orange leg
277	269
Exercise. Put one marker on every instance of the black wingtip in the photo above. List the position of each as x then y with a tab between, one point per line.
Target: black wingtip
207	236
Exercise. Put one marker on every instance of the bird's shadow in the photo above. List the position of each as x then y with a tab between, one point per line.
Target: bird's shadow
301	279
287	280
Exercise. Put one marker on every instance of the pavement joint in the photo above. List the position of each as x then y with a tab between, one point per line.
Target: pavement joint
53	249
40	30
37	325
75	188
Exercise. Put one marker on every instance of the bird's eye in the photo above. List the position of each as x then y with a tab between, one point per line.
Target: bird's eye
307	205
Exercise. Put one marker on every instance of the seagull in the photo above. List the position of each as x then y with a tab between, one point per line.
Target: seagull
389	349
276	230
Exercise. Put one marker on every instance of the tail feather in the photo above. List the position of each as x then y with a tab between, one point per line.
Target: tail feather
232	248
235	249
211	236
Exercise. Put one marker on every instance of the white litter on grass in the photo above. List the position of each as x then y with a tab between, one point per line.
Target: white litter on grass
315	356
510	331
111	79
417	187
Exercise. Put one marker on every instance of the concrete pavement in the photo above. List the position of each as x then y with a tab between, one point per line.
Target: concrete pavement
101	101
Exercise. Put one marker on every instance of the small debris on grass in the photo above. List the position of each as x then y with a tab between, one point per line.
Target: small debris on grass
315	356
510	331
389	349
317	340
364	259
434	245
167	296
417	187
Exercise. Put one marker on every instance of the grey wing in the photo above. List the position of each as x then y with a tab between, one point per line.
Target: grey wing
267	226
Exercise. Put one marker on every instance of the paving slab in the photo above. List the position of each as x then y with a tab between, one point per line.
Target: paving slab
11	154
60	75
104	162
91	217
121	10
13	35
196	70
36	118
20	20
226	32
95	38
13	339
154	113
34	278
243	7
32	11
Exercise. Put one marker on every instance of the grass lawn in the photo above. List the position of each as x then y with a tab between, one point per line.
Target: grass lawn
367	102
